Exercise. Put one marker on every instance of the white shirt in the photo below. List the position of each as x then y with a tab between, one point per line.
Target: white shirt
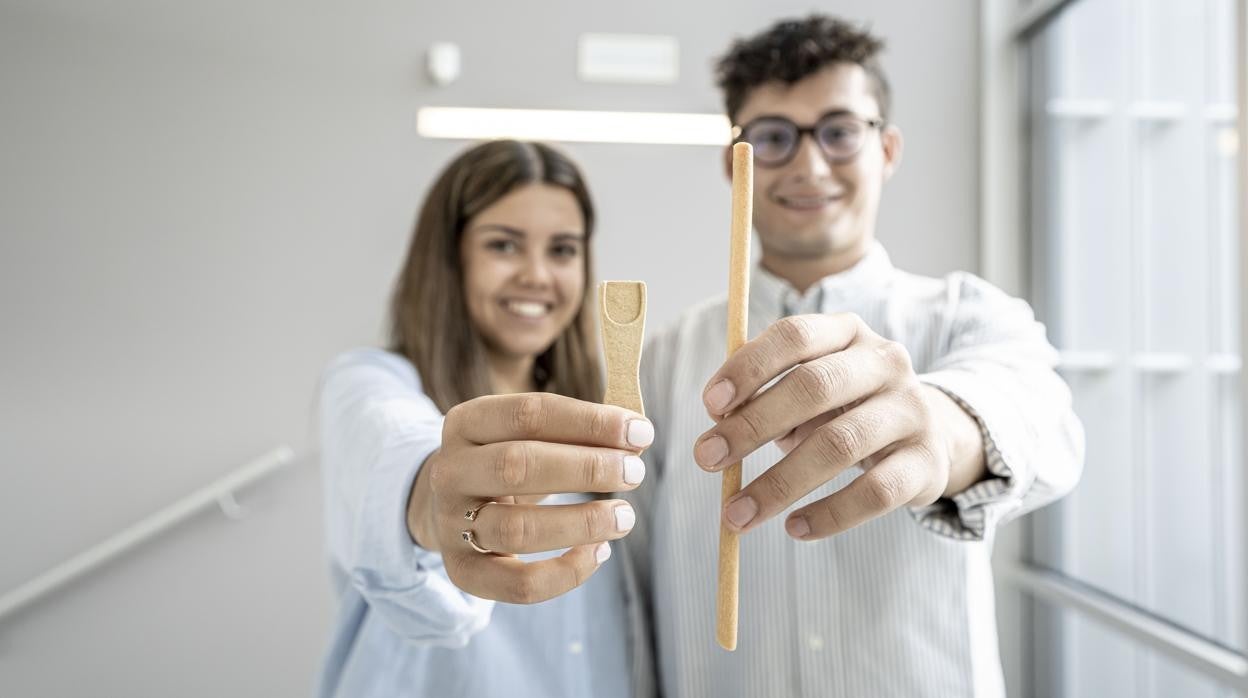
902	605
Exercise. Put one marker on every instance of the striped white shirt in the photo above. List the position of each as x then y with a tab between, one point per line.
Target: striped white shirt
902	605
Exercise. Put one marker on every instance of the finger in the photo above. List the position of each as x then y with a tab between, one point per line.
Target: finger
547	417
897	480
786	343
806	392
535	467
870	427
526	528
512	580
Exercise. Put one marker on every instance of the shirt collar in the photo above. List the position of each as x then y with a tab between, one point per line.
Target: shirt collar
774	294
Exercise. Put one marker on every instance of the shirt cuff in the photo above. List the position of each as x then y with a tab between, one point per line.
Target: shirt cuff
973	513
405	583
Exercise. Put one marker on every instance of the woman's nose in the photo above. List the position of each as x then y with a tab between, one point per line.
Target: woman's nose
535	272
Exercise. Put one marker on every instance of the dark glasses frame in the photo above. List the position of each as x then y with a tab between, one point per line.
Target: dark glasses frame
739	131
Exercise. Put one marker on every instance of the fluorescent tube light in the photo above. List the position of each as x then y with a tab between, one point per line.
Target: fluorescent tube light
573	126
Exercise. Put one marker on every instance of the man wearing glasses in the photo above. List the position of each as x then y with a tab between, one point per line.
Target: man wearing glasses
888	422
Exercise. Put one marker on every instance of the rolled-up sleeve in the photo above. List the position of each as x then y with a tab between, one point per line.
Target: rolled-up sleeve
998	366
377	429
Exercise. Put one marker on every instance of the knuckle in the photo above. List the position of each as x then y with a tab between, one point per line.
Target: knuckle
529	415
599	425
452	420
592	523
856	322
525	588
515	532
882	492
756	369
820	381
439	475
832	516
895	357
593	471
915	402
749	424
577	574
839	441
776	485
795	331
925	451
513	465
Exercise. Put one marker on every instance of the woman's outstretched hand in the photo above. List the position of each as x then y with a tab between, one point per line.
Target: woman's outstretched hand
500	455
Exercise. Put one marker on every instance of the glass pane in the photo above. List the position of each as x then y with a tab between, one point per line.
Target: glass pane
1133	219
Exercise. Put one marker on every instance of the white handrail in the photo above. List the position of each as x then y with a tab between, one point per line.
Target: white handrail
218	493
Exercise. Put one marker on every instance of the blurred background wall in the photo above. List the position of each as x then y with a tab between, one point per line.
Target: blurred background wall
201	203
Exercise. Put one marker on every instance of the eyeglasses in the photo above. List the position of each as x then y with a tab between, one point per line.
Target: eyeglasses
776	139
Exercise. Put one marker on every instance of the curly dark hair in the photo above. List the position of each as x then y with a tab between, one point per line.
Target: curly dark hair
792	49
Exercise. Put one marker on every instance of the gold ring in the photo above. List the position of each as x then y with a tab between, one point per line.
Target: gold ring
471	514
471	539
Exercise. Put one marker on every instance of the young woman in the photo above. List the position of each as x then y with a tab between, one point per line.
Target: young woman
433	474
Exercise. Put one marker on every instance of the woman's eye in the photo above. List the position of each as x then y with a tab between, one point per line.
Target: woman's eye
565	250
503	246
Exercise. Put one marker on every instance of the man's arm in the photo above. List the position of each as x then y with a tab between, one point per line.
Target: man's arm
997	367
844	395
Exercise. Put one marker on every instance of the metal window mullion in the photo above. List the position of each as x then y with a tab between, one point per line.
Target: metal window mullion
1139	234
1241	48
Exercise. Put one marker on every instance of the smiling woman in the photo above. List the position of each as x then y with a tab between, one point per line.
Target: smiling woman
455	463
524	277
502	237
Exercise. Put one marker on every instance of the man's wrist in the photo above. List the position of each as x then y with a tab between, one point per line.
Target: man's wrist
963	440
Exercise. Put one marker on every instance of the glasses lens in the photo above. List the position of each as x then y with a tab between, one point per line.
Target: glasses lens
773	139
841	137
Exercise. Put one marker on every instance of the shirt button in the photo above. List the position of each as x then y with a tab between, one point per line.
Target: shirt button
815	642
575	648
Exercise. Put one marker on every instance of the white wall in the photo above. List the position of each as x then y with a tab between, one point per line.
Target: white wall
201	203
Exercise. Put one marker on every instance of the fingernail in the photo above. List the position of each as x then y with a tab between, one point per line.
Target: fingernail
742	511
720	394
624	518
634	470
640	433
797	527
710	452
602	552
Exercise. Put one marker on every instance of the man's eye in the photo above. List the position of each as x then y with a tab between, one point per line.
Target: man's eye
836	134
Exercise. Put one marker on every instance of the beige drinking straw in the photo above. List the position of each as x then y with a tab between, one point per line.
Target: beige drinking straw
738	305
622	307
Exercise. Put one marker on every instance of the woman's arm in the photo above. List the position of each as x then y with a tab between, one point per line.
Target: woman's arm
377	430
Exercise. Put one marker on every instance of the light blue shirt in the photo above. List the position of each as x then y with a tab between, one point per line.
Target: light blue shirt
403	629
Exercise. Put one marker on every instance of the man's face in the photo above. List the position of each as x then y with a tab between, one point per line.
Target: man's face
811	206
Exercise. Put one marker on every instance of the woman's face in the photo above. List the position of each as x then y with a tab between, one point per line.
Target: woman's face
524	269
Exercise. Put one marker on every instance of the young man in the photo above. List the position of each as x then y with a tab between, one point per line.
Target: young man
888	423
910	417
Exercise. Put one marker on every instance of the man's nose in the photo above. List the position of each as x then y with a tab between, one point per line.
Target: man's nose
810	162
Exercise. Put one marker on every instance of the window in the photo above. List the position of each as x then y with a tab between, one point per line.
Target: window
1132	215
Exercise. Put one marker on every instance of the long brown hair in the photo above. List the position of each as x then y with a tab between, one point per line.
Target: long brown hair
430	324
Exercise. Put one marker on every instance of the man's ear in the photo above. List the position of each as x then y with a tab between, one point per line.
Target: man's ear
728	161
890	137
